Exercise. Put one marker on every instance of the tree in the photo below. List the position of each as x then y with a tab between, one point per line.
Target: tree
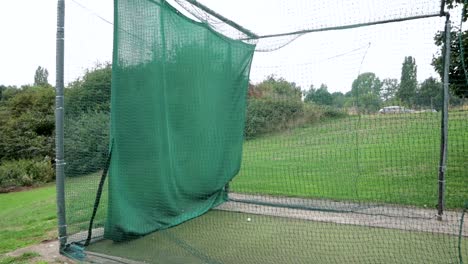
309	94
366	83
275	87
8	92
409	82
27	124
321	96
389	89
430	94
457	76
365	92
2	88
40	77
90	93
338	99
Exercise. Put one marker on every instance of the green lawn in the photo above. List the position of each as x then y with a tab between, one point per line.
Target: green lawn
381	158
25	258
27	218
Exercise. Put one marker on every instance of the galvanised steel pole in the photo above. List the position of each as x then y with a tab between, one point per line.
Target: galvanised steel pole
444	123
59	112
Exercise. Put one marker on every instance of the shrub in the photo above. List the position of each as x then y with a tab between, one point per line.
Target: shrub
332	112
270	115
27	124
89	93
25	172
266	115
86	143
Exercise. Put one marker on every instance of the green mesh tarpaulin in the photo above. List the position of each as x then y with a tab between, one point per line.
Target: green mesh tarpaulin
177	117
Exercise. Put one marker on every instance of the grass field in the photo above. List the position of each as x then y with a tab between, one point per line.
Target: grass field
27	218
382	158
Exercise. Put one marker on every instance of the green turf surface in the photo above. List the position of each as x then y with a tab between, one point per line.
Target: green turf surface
227	237
27	218
379	158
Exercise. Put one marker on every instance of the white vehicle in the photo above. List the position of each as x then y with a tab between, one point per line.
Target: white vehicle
394	110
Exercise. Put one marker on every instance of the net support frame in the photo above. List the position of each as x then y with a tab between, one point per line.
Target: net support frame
349	26
223	19
59	117
444	123
442	7
59	108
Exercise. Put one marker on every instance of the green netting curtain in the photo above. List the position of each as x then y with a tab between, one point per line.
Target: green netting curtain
178	110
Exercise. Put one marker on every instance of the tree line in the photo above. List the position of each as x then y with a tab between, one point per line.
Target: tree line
368	93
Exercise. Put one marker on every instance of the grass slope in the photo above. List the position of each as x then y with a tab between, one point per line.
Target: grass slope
391	159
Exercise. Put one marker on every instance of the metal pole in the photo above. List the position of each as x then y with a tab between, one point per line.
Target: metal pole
442	8
444	123
59	151
364	24
223	19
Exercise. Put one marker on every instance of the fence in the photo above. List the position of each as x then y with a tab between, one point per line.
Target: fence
335	137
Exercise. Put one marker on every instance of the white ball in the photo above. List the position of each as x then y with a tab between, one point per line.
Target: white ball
248	219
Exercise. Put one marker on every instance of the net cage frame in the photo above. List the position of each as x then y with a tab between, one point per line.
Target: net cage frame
67	241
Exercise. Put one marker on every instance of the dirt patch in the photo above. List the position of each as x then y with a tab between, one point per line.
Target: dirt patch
48	251
16	189
23	188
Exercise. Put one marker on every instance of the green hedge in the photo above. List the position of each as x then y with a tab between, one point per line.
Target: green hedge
333	112
267	115
25	172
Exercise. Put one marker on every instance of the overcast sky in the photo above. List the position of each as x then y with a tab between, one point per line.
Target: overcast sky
28	29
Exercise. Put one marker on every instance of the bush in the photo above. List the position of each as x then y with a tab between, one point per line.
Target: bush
24	172
332	112
90	93
266	115
86	143
270	115
27	124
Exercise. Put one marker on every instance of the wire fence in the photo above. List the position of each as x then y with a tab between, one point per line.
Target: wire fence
328	148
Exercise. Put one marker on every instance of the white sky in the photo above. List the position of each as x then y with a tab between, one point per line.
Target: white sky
28	29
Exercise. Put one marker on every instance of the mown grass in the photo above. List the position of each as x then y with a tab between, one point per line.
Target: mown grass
382	158
25	258
27	218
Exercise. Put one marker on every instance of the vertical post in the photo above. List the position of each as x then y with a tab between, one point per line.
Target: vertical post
444	123
59	150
